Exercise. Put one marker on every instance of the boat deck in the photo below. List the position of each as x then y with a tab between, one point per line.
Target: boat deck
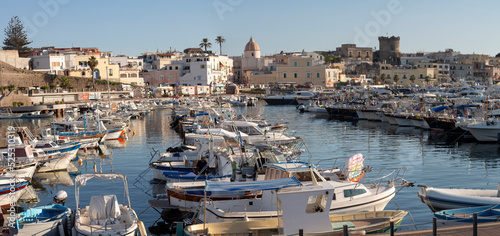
484	229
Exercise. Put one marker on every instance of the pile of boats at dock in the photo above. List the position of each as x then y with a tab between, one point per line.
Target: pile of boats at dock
54	150
232	175
456	111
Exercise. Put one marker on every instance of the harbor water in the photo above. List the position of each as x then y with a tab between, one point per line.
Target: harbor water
462	165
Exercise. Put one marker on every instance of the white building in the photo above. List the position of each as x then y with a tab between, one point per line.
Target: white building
49	62
205	69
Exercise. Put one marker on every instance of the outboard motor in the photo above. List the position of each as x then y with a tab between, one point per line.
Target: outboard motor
60	197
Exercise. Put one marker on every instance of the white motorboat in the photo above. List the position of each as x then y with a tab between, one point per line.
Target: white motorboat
303	208
104	216
289	99
452	198
486	131
350	196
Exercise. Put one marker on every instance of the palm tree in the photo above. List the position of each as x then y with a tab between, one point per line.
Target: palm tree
396	79
220	40
92	63
382	78
427	79
205	43
412	78
375	79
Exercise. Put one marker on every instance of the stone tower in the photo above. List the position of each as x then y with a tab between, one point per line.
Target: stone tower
389	49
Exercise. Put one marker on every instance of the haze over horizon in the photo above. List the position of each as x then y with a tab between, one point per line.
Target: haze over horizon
134	27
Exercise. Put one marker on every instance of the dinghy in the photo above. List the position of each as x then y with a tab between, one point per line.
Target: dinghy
447	198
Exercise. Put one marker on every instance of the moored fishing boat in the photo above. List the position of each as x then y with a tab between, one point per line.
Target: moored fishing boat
304	208
465	215
50	220
104	216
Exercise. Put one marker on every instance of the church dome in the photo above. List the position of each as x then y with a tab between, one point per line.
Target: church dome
252	46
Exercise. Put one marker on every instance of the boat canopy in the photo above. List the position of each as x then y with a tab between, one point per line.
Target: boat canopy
81	180
219	186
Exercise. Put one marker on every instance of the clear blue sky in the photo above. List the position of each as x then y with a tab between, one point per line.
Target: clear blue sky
132	27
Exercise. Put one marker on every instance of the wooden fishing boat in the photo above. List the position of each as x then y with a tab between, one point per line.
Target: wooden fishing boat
465	215
50	220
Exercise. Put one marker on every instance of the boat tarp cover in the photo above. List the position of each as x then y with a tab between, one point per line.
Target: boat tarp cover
103	207
219	186
440	108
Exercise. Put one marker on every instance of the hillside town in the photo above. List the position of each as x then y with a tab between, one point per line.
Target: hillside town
196	71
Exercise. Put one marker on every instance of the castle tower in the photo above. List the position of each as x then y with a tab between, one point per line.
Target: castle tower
252	49
389	49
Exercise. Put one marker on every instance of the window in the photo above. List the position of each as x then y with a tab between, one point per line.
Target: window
202	66
308	63
359	54
350	54
170	68
317	75
123	75
110	72
295	63
367	54
353	192
316	204
252	54
308	75
176	67
295	75
421	76
284	75
83	73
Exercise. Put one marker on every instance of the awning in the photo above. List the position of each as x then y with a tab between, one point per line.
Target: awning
219	186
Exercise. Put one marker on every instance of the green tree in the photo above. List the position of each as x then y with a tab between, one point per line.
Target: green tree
220	40
396	79
498	55
12	87
427	79
65	83
204	43
16	37
412	78
92	63
382	78
375	79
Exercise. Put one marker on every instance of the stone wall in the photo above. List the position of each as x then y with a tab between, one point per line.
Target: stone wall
14	96
12	58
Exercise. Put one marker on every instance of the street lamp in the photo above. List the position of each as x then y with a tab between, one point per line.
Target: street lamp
109	96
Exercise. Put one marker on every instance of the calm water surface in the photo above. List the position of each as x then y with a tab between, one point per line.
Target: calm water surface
466	165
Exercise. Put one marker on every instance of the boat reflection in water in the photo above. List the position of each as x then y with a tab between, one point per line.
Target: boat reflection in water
54	178
115	143
29	196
